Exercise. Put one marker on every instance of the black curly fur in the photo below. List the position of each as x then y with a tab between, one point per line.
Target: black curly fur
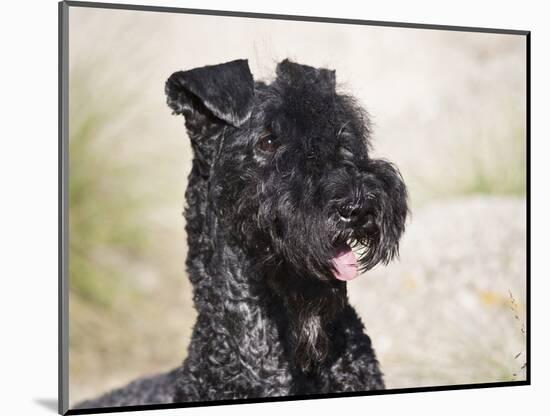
281	180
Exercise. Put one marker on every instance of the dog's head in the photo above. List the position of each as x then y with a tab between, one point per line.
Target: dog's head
290	175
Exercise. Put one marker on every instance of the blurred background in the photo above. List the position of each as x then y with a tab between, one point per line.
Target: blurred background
448	108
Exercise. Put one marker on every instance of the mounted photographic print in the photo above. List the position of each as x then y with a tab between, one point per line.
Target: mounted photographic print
263	207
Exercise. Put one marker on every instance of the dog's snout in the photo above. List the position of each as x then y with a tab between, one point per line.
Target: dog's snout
349	211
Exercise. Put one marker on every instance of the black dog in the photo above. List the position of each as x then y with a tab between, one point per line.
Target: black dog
282	188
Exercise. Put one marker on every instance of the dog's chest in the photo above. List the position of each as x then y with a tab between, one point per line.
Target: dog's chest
260	362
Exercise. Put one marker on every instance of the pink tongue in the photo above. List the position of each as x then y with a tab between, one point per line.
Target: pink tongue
345	264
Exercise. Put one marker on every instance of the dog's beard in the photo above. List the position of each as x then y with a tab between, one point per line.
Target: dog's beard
310	307
306	274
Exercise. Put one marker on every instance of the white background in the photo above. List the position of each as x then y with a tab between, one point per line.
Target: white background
28	190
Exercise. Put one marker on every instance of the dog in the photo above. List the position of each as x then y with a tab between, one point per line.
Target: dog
284	206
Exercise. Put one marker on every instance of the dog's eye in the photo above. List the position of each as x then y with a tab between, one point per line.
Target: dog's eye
268	142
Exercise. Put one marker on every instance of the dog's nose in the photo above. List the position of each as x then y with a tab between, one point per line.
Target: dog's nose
348	211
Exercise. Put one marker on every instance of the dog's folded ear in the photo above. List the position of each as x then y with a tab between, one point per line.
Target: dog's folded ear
225	91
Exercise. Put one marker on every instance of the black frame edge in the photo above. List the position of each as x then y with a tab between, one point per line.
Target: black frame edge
528	207
294	398
318	19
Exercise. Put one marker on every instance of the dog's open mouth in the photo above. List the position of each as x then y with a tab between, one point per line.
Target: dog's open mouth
345	263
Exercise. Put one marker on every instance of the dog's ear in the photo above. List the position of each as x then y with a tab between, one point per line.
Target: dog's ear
297	74
218	92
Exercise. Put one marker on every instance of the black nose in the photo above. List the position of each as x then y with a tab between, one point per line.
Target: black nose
349	211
